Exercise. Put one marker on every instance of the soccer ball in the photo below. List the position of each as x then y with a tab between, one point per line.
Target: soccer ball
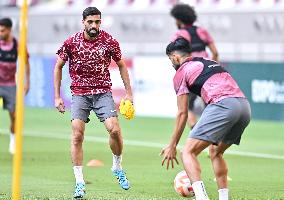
182	185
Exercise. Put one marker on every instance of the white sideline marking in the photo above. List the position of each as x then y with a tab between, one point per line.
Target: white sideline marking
65	136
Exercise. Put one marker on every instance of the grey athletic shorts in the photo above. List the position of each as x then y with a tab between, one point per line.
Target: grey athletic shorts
102	104
223	121
8	93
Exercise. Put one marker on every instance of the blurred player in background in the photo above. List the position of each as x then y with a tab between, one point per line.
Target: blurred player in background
8	67
89	53
221	124
199	38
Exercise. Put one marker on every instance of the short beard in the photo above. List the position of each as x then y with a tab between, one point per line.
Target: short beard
92	35
176	66
4	38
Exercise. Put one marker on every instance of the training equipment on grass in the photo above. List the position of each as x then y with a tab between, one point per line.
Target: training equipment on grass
95	163
182	185
126	108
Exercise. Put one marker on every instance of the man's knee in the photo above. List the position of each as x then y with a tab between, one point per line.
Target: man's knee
77	134
114	131
13	119
194	147
218	151
189	150
214	152
112	126
77	137
12	116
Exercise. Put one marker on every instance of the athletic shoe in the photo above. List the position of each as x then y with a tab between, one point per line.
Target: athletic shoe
80	190
122	180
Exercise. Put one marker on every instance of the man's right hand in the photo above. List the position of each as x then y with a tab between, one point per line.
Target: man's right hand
59	104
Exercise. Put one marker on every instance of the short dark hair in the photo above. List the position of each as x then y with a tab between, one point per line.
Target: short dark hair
7	22
180	44
184	13
91	11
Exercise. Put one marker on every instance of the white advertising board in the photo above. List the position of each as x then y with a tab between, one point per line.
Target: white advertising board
153	87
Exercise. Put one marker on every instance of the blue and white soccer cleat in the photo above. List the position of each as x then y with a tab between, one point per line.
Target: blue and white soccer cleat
80	190
122	180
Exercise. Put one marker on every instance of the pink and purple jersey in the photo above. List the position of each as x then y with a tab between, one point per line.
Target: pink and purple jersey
219	86
8	62
203	35
89	61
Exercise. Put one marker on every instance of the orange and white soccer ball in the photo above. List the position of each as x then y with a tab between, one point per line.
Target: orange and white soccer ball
182	185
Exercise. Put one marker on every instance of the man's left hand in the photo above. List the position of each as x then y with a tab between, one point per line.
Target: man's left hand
169	154
128	97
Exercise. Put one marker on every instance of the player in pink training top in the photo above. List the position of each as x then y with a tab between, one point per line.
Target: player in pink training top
199	37
89	53
8	68
222	122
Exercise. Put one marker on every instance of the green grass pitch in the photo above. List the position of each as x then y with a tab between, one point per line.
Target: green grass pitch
47	172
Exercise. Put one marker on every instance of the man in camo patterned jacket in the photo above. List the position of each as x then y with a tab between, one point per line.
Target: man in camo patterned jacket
89	53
